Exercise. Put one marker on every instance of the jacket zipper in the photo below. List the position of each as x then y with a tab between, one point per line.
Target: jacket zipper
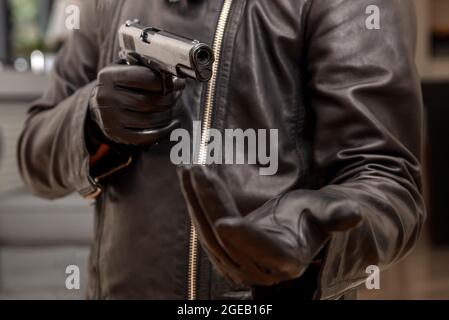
99	229
206	125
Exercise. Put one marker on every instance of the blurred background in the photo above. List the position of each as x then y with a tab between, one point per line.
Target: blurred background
39	239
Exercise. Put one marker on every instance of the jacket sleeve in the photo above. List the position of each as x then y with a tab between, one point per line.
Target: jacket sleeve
52	154
365	97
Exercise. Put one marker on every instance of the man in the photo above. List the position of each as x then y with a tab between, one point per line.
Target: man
344	98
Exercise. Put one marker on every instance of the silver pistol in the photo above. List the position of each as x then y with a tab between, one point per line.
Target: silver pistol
166	53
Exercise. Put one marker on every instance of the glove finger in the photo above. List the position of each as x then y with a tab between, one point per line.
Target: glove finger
132	76
160	133
241	273
277	259
339	216
162	102
144	121
142	138
136	100
120	61
144	79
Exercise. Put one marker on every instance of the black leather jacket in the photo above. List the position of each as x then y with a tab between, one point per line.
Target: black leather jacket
345	99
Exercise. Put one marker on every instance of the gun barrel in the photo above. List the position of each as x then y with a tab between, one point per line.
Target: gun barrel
179	56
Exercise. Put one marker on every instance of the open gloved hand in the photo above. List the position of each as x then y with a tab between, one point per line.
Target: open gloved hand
272	244
130	107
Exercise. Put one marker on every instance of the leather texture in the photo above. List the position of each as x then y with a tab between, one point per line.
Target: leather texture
346	102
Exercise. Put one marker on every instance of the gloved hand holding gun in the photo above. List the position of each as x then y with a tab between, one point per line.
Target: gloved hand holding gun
134	100
274	243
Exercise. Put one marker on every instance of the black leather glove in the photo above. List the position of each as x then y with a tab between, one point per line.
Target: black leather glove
129	107
274	243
